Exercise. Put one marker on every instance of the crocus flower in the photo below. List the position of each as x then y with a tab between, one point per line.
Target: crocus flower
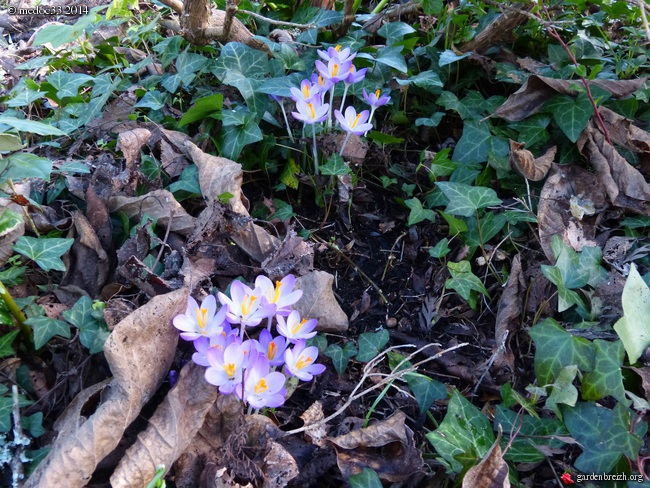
261	388
299	361
375	99
335	70
307	91
282	294
226	367
272	348
311	112
353	77
323	83
353	122
245	306
220	342
339	53
203	321
296	329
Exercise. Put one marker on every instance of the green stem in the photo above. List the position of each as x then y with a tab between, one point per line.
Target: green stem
329	113
380	6
347	137
286	121
315	149
345	94
20	318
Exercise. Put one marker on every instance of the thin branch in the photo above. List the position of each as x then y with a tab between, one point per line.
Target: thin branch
367	373
20	441
277	22
551	30
175	5
644	18
231	10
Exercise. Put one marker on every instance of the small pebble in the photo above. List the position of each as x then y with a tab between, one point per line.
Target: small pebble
391	322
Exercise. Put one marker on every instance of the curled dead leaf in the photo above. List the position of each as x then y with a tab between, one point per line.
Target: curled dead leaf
139	353
130	143
318	302
386	446
279	466
523	162
491	472
312	415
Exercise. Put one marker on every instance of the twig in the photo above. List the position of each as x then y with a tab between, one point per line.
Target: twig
20	441
644	18
387	379
175	5
382	297
231	10
551	30
277	22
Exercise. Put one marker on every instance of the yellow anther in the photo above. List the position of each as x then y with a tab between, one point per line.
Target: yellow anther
230	369
303	361
261	386
202	317
296	328
247	304
355	121
271	351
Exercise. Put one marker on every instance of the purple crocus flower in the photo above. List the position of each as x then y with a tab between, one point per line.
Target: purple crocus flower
226	367
335	70
323	83
219	342
353	122
203	321
311	112
294	329
375	99
245	307
354	75
282	293
262	388
299	361
338	53
306	92
272	348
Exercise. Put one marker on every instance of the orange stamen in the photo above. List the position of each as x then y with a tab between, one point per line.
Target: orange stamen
355	121
377	93
230	369
296	328
271	351
312	111
276	295
247	304
303	362
202	317
261	386
335	70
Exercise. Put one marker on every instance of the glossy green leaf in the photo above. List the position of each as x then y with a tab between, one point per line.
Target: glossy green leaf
634	327
187	67
6	406
418	212
240	129
477	142
92	330
34	424
335	166
607	377
464	199
45	328
283	211
367	478
9	220
33	126
204	107
154	99
429	81
448	56
464	281
395	31
441	249
571	114
341	356
370	344
238	61
425	390
6	341
464	436
603	434
392	56
432	7
280	86
563	390
67	84
10	142
555	349
46	252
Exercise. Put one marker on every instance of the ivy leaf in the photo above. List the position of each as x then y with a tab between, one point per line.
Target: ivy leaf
204	107
367	478
6	406
571	114
340	356
67	84
239	130
10	142
335	166
566	298
465	199
92	331
394	32
6	342
187	66
634	328
441	249
607	378
34	424
477	142
153	99
563	390
370	343
555	349
31	126
392	56
448	56
46	252
465	435
280	86
45	328
425	390
463	281
430	81
418	212
242	67
603	434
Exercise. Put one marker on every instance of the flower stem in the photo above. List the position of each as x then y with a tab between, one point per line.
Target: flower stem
25	330
329	113
347	137
315	149
345	93
372	112
286	121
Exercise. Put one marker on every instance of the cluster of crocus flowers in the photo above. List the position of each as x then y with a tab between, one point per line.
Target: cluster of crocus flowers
314	98
254	369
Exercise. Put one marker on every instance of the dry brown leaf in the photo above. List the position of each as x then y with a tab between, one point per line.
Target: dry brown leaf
318	302
130	143
294	253
139	353
553	215
621	180
160	204
491	472
312	415
279	466
524	163
644	373
386	446
508	319
10	234
528	100
625	133
255	241
171	429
